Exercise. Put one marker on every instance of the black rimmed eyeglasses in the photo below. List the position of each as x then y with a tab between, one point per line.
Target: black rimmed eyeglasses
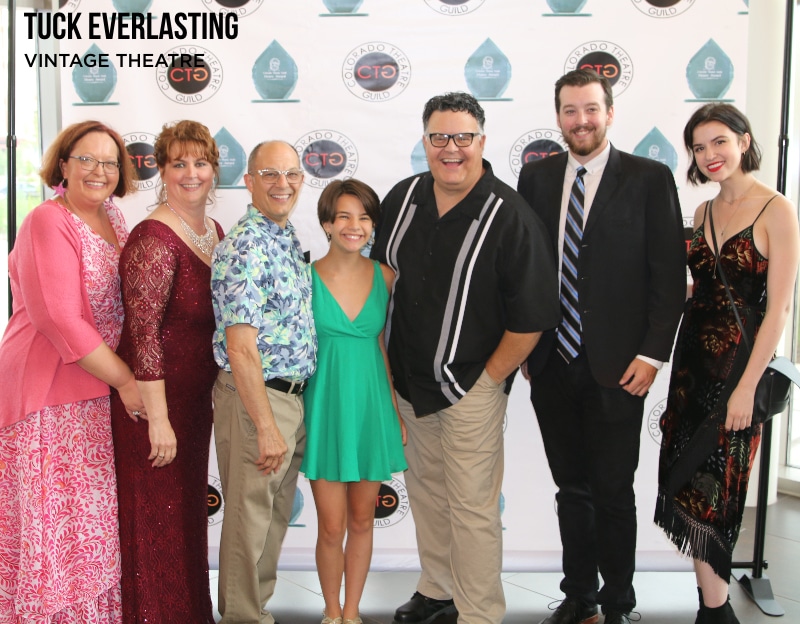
272	175
88	163
462	139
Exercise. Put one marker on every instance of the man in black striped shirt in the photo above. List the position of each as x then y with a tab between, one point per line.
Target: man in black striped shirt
476	285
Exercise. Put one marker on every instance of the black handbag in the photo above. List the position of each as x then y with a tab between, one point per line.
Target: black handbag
774	388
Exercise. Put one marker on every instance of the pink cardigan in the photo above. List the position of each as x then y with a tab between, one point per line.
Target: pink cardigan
52	324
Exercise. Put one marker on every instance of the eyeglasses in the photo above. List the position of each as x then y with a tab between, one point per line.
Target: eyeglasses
462	139
90	164
272	175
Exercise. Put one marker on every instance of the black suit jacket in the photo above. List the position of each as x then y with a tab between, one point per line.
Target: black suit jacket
632	265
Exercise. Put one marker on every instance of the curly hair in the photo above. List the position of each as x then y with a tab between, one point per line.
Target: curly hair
457	102
183	138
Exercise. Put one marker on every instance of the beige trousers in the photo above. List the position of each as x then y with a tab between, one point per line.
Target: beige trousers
257	506
455	460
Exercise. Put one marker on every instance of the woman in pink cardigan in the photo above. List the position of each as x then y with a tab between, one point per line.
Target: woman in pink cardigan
59	545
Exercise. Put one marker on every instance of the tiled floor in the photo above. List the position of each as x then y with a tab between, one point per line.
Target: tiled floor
663	597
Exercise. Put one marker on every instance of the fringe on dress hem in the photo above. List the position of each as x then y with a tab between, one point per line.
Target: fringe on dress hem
694	539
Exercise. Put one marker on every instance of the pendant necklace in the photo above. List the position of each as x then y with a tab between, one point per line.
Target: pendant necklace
738	203
204	243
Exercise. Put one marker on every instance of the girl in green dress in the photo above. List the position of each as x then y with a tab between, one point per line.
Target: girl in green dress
354	434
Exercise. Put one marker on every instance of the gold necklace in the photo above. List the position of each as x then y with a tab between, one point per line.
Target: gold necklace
737	201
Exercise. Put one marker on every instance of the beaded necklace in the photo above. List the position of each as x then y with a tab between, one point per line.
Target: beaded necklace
204	243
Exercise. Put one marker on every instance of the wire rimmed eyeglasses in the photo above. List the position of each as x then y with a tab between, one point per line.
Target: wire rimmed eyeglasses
462	139
272	175
88	163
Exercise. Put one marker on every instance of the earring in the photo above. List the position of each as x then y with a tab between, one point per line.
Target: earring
60	188
328	236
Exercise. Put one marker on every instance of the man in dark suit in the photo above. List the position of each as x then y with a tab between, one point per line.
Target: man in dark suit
615	223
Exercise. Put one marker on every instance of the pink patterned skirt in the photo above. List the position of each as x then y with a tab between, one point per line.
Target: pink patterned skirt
59	539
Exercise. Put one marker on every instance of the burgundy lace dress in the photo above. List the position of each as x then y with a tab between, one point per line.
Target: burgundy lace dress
163	512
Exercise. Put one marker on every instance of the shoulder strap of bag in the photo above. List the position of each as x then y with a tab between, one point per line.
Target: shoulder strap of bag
721	273
781	364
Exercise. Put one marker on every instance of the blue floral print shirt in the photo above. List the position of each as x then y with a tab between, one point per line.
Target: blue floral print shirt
259	277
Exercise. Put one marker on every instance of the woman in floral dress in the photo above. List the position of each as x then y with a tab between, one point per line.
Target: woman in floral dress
59	545
709	440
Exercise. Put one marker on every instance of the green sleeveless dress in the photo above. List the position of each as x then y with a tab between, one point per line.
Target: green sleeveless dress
353	432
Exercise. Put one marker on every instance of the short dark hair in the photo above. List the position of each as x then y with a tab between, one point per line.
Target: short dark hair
326	206
457	102
736	121
581	78
191	138
50	173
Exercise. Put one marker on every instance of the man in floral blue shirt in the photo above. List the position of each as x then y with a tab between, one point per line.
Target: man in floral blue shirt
266	348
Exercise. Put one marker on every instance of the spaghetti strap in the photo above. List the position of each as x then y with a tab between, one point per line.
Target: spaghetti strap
764	208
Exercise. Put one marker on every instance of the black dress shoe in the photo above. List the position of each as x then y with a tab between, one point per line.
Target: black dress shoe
573	611
422	610
617	617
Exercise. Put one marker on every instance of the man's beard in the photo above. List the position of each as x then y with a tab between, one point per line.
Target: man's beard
584	148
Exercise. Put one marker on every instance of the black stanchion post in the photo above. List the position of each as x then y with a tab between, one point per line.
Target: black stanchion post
11	141
758	586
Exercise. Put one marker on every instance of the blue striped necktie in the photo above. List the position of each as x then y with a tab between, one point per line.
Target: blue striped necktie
569	331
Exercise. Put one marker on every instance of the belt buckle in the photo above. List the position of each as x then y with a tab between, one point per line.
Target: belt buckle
296	387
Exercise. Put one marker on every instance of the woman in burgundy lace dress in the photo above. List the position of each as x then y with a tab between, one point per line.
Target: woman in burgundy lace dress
162	462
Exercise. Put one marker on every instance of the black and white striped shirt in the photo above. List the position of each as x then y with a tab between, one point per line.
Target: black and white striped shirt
463	279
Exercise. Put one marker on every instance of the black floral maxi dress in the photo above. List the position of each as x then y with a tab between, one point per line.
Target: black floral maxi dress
703	469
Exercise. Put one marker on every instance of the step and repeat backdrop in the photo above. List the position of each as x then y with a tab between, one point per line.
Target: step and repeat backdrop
345	81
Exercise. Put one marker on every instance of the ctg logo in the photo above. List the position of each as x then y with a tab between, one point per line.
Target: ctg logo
140	151
391	506
607	59
242	8
654	421
454	7
376	71
326	155
663	8
193	76
535	145
216	504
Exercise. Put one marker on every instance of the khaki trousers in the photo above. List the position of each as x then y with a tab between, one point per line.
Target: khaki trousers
257	506
455	474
